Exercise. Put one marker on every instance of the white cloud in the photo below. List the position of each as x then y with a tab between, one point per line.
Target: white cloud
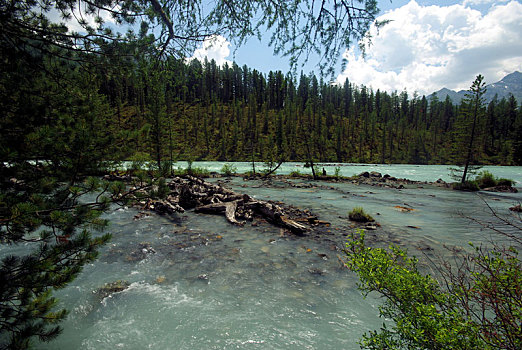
76	15
426	48
216	48
482	2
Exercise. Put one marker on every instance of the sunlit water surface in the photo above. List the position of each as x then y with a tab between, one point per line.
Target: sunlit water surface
212	285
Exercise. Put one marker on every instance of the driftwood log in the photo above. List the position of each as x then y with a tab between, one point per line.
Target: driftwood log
194	193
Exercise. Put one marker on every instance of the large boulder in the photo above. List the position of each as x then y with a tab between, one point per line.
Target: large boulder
111	288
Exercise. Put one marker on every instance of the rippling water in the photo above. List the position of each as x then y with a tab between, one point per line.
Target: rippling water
409	171
210	285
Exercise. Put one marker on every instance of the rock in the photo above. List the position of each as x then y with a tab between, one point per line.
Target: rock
504	189
386	176
316	271
144	249
111	288
364	174
440	181
203	277
517	208
375	174
370	227
403	209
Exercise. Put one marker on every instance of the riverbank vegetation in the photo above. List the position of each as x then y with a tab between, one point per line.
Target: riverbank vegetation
471	303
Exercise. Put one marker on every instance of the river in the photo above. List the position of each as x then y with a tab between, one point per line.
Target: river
206	284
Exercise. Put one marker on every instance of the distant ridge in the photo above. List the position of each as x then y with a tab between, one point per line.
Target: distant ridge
510	84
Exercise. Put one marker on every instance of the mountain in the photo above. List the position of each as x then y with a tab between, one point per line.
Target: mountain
453	95
510	84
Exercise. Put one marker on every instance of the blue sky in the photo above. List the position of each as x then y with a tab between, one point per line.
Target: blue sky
427	46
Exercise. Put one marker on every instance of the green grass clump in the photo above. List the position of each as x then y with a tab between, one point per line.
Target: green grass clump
228	169
486	179
295	173
358	214
196	171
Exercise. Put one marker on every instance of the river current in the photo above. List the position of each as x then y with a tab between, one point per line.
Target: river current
198	282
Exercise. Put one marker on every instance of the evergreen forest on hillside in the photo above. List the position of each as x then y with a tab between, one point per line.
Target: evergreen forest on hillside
202	111
174	109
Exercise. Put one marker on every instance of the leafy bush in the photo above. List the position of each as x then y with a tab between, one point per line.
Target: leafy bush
295	173
423	314
470	186
337	173
486	179
197	171
358	214
139	161
476	306
228	169
505	182
200	172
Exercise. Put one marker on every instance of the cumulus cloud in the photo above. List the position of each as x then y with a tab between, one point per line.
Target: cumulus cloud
425	48
482	2
215	47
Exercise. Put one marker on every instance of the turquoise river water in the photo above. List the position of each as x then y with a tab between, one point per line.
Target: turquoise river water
206	284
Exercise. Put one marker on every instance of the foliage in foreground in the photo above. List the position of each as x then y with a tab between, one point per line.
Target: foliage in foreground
479	306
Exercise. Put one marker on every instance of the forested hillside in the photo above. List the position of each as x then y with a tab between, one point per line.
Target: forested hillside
201	111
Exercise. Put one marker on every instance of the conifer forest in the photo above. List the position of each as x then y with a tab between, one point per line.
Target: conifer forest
201	111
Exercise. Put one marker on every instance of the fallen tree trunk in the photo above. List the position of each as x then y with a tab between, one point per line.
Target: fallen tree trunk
192	192
275	214
228	208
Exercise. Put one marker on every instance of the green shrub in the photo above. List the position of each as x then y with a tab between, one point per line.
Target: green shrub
358	214
139	161
505	182
476	307
200	172
228	169
486	179
295	173
337	173
197	171
469	186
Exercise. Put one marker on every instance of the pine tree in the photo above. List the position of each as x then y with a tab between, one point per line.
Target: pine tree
471	115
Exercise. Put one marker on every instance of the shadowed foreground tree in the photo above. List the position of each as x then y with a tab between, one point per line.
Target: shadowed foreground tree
55	128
